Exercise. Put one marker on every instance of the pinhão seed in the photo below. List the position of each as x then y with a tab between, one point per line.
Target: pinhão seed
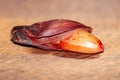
58	34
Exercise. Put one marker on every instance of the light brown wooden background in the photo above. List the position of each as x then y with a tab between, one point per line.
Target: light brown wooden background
26	63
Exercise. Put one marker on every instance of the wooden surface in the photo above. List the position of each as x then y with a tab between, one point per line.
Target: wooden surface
27	63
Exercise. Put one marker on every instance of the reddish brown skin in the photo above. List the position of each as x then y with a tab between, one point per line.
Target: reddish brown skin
46	35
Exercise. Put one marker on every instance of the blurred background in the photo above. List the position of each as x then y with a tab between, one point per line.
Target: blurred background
69	9
27	63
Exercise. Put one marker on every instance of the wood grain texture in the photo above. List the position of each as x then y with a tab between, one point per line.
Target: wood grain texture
27	63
